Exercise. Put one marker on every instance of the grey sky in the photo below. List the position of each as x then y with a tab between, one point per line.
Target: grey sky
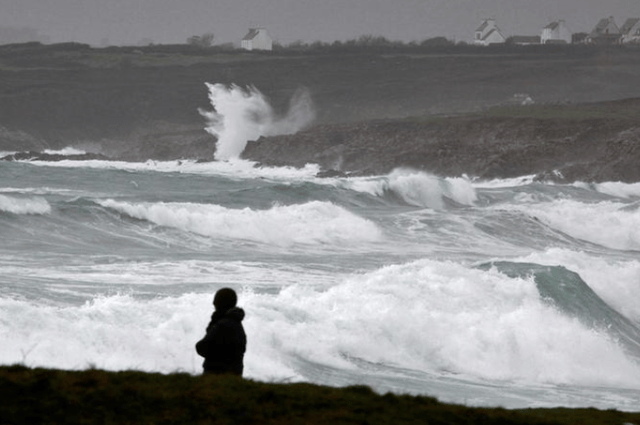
172	21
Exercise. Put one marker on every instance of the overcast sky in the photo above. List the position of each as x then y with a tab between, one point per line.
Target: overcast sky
173	21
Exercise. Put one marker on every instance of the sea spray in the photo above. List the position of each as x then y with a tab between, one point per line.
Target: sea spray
24	205
110	332
243	114
406	311
425	315
69	150
435	316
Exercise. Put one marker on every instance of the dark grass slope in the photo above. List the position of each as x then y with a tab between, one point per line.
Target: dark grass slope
39	396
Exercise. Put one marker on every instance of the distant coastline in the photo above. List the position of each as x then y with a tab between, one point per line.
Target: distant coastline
136	103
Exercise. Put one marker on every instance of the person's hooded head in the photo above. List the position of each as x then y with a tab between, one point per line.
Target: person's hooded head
225	299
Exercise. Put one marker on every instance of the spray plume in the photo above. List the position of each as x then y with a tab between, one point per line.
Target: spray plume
243	114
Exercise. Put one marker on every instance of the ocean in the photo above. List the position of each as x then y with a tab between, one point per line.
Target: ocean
509	292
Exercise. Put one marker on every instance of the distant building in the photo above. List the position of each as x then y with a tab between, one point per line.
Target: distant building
630	31
257	39
488	33
556	33
579	37
605	33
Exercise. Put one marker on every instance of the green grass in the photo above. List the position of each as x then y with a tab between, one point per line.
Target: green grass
95	396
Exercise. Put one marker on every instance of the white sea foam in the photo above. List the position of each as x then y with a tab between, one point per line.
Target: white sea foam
618	189
418	188
243	114
438	317
429	316
109	275
114	333
233	168
311	223
69	150
609	224
41	191
504	183
16	205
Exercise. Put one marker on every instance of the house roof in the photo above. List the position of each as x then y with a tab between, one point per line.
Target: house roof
484	25
487	35
628	25
253	32
603	25
552	25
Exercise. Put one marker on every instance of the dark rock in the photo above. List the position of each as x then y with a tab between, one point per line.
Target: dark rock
331	173
40	156
590	149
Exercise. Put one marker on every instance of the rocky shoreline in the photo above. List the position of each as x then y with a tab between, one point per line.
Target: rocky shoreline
135	105
563	150
590	149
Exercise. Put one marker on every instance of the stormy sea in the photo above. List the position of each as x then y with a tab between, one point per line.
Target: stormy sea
514	293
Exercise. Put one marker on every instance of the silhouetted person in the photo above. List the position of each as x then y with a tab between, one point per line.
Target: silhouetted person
224	344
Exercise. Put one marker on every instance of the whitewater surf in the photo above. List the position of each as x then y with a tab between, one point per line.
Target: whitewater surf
514	293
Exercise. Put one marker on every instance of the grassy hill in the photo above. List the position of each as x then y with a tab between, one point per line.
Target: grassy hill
52	396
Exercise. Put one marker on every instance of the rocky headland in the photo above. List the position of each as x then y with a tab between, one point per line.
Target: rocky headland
590	142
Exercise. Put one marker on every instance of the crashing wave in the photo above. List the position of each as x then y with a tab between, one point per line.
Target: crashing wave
243	114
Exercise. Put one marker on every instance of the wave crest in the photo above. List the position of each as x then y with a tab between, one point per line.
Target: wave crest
440	316
311	223
23	206
420	189
609	224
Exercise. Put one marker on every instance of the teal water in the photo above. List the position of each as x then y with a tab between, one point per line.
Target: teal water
507	293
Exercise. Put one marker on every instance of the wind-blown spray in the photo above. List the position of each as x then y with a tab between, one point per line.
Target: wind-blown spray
243	114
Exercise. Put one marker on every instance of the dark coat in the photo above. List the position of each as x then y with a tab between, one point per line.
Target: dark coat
224	344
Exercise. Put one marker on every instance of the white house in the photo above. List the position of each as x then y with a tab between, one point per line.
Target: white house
488	33
630	31
606	32
556	33
257	39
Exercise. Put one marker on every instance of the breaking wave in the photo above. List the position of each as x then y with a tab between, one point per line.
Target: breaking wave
609	224
15	205
311	223
243	114
419	189
437	317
